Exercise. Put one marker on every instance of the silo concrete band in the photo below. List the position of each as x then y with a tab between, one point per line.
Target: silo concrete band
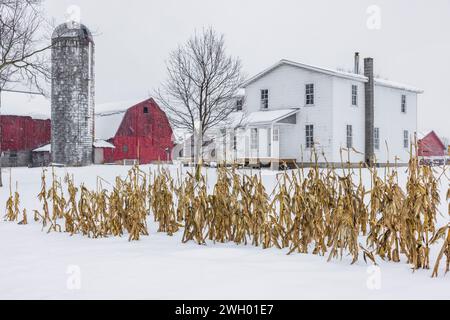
73	96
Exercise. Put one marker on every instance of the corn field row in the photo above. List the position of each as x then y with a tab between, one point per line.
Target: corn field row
311	211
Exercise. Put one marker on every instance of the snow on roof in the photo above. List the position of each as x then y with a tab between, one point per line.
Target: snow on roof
14	104
180	135
107	124
395	85
332	72
234	120
117	106
98	143
261	117
46	148
336	73
109	116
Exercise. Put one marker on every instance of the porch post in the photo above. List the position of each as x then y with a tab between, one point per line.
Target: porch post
275	163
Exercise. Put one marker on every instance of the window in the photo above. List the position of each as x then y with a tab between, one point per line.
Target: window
310	94
349	137
376	138
145	109
354	95
254	139
239	104
276	135
265	99
406	139
125	148
309	136
235	141
403	103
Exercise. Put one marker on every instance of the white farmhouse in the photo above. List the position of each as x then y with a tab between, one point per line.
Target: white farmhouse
292	111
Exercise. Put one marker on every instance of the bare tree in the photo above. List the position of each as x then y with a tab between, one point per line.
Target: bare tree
22	58
202	83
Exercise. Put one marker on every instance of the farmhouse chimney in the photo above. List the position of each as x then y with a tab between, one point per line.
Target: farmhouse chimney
356	70
369	111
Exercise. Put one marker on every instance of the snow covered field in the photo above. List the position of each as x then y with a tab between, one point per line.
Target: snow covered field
37	265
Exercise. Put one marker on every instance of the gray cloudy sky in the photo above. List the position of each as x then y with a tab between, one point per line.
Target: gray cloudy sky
134	38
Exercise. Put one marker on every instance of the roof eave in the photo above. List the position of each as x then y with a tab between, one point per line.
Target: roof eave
349	76
294	111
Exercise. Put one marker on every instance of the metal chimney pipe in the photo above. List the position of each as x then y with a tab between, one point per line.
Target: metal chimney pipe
356	70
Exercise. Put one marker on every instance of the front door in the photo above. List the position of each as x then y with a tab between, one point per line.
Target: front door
269	142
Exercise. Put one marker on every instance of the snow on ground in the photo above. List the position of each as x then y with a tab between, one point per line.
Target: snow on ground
37	265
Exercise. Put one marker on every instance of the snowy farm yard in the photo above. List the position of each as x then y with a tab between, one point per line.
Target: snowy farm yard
37	265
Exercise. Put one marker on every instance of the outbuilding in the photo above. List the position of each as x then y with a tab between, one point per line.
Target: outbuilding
141	132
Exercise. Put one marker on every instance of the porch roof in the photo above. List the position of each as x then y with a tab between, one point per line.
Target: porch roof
270	117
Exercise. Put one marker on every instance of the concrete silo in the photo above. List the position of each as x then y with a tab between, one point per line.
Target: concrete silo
73	95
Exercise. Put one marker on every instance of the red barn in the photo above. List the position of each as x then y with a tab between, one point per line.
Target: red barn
19	136
431	146
139	133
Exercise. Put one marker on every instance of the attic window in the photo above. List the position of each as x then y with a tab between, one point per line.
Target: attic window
146	110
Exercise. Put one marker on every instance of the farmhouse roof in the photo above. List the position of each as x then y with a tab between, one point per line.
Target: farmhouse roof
269	117
332	72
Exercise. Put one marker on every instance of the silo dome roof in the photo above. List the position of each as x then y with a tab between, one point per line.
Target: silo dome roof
72	30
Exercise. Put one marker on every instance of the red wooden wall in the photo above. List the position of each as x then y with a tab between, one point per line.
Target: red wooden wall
144	134
23	133
431	146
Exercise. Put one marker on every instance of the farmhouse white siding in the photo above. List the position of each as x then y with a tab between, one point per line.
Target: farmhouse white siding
343	114
286	86
338	117
392	123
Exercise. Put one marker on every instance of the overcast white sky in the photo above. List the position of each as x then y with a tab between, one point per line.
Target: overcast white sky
134	38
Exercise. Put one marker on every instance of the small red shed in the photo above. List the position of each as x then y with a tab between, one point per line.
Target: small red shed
19	136
431	146
140	132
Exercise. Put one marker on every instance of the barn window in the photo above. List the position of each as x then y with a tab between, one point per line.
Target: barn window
376	138
403	103
309	92
349	137
145	110
354	95
264	99
125	148
309	136
406	139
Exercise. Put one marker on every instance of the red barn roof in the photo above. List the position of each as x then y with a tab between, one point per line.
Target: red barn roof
431	146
